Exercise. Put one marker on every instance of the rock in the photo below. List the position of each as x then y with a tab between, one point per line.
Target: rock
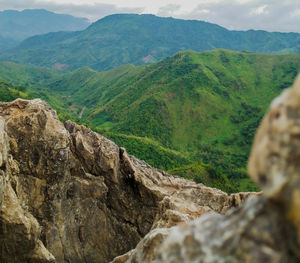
264	228
255	232
20	233
274	162
3	159
68	194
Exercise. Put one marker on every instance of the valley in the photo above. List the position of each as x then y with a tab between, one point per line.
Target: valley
192	114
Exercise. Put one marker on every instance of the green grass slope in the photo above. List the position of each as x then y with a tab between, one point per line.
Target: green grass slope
138	39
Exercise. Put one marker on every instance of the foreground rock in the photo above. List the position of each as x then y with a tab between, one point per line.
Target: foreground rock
68	194
264	229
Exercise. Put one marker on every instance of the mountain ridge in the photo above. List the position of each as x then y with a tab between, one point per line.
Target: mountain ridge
130	39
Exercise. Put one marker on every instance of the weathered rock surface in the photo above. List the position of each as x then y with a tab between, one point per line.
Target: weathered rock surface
263	229
68	194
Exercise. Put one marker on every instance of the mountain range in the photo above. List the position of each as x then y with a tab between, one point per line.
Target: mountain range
16	26
140	39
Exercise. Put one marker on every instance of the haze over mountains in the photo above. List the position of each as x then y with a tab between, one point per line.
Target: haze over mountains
15	25
138	39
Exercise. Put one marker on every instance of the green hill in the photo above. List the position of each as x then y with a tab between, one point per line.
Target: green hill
188	98
193	114
138	39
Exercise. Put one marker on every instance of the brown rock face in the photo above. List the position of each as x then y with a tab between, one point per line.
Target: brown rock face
68	194
263	229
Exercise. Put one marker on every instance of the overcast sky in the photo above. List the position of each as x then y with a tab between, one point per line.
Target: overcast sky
271	15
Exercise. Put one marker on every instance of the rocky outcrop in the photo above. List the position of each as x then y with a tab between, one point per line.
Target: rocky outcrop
263	229
68	194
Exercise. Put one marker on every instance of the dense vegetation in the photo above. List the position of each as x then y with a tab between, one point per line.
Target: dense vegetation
138	39
193	114
8	92
15	25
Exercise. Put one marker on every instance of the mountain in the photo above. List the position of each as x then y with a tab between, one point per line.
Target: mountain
179	114
140	39
187	102
15	25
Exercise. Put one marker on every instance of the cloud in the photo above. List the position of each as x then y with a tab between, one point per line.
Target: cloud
93	11
270	15
296	13
168	10
259	10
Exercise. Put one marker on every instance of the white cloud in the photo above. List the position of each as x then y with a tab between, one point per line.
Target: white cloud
168	10
203	11
259	10
270	15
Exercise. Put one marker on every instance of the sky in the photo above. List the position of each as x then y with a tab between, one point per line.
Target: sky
271	15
